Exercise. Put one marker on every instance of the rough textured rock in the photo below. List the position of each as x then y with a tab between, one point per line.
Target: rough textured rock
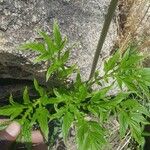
80	20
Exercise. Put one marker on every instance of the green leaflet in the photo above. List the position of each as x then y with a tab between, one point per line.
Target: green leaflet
57	64
139	118
26	134
67	122
145	74
39	47
57	100
50	70
119	81
43	57
144	89
94	110
100	95
11	100
111	63
125	56
34	118
38	88
78	81
90	135
132	61
136	132
129	84
117	100
135	106
80	94
57	35
65	57
66	72
54	67
132	116
50	44
16	113
58	114
123	121
26	96
62	97
42	119
81	130
10	110
14	104
101	112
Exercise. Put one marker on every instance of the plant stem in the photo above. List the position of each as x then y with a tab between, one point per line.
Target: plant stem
109	16
102	77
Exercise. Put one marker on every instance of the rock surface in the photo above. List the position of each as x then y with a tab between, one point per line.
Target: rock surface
80	20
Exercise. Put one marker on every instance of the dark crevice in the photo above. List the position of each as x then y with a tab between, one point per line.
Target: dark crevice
10	81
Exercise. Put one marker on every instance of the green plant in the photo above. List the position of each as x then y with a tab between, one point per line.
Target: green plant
73	103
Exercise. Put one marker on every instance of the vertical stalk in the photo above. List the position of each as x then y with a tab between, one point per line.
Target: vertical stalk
103	35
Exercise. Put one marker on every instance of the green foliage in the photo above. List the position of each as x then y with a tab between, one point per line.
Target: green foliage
26	134
42	119
90	135
132	116
112	62
51	50
77	104
26	96
67	122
